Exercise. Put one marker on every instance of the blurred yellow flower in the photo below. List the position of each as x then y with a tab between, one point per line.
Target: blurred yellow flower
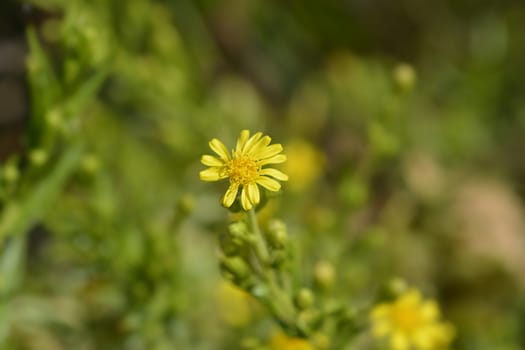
234	304
304	165
244	167
281	341
411	323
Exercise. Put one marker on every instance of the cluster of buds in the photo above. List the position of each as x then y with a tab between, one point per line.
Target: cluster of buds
260	262
249	256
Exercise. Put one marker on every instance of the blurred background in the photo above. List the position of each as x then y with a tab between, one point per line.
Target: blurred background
404	127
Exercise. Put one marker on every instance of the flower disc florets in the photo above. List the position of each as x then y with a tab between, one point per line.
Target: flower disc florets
244	167
412	323
242	170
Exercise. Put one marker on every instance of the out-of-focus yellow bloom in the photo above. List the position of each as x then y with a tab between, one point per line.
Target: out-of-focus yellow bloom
281	341
405	76
411	323
234	304
244	167
304	166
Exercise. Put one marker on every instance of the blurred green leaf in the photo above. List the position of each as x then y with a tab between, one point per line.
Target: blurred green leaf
21	214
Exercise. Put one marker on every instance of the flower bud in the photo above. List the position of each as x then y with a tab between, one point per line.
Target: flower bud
304	299
236	266
405	76
38	157
230	246
324	274
238	229
11	173
397	286
277	233
55	118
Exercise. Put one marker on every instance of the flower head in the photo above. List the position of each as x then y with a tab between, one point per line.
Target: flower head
304	166
411	323
281	341
235	306
244	167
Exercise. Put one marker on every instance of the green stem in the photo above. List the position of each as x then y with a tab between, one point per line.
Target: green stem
261	249
277	299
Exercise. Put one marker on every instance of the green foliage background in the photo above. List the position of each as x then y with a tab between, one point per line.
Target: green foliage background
108	239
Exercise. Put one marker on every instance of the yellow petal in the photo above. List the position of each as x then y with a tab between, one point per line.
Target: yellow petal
280	158
229	196
245	201
253	193
211	161
424	338
257	147
252	140
412	297
434	336
267	152
211	174
219	148
430	310
279	175
380	329
241	141
268	183
380	311
399	341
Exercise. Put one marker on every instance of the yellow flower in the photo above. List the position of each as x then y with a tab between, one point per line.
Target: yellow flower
234	305
281	341
244	167
305	164
411	323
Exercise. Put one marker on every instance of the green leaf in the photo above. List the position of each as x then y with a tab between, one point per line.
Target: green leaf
45	86
11	264
20	215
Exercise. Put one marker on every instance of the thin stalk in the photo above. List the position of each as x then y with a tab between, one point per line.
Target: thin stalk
277	299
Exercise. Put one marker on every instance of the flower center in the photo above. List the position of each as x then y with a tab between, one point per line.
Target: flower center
242	170
407	319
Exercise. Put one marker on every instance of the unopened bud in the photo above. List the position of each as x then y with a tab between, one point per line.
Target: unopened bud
38	157
238	229
324	274
397	286
230	246
277	233
236	266
55	118
304	299
405	76
11	173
